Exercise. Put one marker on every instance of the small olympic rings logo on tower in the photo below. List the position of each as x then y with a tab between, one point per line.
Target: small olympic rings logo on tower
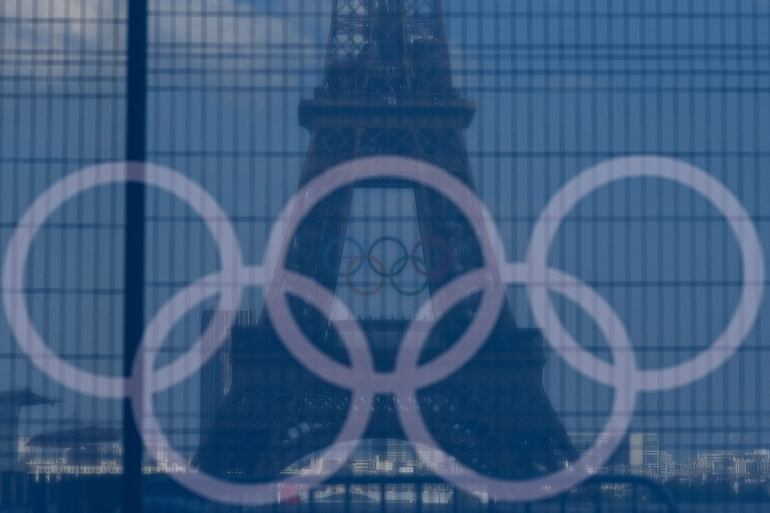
409	375
388	271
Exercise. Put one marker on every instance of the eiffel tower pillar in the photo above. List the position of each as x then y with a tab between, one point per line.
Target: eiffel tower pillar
387	90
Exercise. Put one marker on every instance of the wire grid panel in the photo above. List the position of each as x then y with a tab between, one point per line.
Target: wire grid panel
558	86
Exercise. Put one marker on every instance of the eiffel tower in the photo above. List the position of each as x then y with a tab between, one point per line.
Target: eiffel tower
386	89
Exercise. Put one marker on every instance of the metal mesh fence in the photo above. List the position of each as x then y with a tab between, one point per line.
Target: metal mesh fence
558	87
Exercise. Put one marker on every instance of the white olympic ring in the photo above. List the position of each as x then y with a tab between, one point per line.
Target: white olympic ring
15	261
408	377
347	174
696	180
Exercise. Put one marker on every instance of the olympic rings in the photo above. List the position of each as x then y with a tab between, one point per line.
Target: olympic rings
327	256
552	484
347	174
221	490
398	288
228	284
409	376
397	267
378	266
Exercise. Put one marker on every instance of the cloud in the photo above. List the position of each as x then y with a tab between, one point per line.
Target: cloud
87	38
56	38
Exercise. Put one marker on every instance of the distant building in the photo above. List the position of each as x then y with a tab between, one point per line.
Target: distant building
644	451
586	441
383	466
717	464
637	451
667	467
11	403
81	446
398	451
362	466
758	462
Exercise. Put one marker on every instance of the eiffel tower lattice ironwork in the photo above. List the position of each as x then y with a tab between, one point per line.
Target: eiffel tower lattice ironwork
387	89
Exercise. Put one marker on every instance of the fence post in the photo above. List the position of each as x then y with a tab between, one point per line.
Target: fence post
347	497
418	490
382	497
133	306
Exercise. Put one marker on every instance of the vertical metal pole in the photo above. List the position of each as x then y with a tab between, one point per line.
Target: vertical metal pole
133	308
382	498
347	498
599	499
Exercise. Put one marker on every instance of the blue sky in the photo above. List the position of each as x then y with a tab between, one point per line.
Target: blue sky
559	86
